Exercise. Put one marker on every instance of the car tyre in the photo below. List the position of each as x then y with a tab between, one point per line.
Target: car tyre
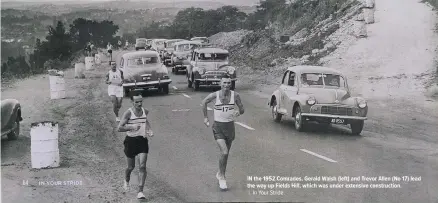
275	115
356	127
196	85
16	132
166	89
126	92
233	85
299	120
189	83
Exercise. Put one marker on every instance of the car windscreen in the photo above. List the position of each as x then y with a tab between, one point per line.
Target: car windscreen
141	40
212	57
142	61
186	47
322	79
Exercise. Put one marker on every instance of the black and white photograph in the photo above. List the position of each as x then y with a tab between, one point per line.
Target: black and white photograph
168	101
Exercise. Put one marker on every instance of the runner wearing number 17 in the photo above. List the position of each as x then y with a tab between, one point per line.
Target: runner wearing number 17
223	126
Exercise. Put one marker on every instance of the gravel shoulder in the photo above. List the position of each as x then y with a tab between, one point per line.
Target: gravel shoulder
91	150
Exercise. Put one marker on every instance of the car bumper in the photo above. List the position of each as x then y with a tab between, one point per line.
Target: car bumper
333	116
181	67
148	84
211	81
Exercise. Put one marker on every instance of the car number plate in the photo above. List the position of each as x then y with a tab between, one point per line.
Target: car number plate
215	83
338	121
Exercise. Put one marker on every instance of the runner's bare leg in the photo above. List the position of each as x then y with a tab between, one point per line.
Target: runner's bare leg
142	171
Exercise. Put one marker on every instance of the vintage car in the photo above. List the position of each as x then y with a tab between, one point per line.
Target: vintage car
203	40
208	66
11	118
158	45
182	53
321	94
168	50
141	43
144	70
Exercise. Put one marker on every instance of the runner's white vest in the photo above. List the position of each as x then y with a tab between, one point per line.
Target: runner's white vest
115	77
224	112
137	121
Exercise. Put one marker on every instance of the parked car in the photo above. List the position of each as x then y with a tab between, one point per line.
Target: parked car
203	40
158	45
168	50
141	43
208	66
321	94
144	70
182	53
11	118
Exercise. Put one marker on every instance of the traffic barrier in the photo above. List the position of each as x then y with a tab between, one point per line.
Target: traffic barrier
44	145
361	29
89	63
57	84
79	70
97	59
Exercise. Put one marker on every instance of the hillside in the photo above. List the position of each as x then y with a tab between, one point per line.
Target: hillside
390	62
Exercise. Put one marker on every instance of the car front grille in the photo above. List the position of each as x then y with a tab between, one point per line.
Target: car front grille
334	110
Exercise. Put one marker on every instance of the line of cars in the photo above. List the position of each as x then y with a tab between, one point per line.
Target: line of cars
307	93
203	63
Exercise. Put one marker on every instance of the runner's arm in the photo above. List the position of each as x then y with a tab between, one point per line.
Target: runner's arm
107	78
207	100
239	103
121	75
148	125
124	121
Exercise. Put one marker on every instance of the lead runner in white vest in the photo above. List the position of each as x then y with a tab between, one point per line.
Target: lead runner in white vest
223	126
114	79
137	127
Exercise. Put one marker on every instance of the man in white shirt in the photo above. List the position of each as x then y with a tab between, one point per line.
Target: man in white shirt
114	79
223	127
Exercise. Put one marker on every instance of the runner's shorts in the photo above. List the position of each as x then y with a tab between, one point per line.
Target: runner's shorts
135	146
224	130
110	51
115	90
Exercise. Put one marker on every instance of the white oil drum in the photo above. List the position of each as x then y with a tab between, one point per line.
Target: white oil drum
368	14
97	59
57	84
89	63
79	70
361	29
44	145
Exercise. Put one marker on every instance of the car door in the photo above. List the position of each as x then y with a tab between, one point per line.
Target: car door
289	91
282	90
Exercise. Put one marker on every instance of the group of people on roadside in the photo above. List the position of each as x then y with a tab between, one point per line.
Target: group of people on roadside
135	122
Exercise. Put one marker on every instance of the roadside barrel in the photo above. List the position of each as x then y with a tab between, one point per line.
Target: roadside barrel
79	70
97	59
44	144
361	29
368	15
57	84
89	63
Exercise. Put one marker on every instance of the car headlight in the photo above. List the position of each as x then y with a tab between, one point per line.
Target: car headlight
201	71
231	70
362	103
311	101
165	76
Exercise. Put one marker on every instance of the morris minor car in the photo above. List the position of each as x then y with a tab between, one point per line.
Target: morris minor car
321	94
144	70
182	53
208	66
11	118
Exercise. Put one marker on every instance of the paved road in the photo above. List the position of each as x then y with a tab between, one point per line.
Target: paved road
184	155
